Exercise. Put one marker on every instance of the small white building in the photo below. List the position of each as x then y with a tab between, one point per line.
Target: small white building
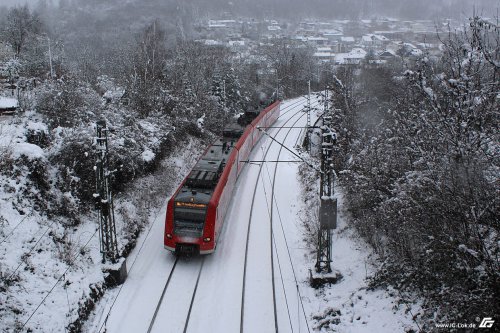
317	40
354	57
348	40
8	105
374	40
324	56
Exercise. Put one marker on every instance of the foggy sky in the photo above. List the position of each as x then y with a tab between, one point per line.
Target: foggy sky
423	9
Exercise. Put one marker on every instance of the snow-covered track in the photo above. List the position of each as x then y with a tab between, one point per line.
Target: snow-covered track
162	295
179	292
273	239
259	181
166	294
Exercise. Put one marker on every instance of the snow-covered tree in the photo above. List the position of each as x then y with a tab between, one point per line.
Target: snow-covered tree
20	25
421	170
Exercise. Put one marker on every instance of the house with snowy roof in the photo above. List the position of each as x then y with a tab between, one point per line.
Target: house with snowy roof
324	54
222	24
387	55
317	40
332	34
345	44
354	57
348	40
8	105
374	40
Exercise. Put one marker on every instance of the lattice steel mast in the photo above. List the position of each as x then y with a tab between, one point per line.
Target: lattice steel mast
103	197
328	208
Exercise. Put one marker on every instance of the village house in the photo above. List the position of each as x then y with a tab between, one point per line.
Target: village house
8	105
324	55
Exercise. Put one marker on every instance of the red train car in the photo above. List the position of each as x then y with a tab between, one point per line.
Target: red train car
196	211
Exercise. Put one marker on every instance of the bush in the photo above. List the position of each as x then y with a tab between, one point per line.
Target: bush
421	175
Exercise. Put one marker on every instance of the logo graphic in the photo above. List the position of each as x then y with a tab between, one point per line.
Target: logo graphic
487	322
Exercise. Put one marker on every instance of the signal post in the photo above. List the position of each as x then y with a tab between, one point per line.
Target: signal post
115	267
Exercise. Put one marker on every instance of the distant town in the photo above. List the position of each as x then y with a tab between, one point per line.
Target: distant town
337	42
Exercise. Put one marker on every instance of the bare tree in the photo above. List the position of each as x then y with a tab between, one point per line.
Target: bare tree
19	26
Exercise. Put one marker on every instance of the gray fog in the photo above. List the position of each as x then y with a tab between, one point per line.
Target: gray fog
410	9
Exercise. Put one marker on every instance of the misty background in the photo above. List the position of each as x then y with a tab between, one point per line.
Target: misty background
408	9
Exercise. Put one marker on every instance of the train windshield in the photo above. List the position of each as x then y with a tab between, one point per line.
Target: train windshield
189	219
190	214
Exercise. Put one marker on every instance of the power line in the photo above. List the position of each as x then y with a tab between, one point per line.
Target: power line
131	267
30	251
289	255
291	151
59	279
12	231
269	211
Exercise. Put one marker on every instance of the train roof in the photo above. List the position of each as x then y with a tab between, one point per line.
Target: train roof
203	178
233	130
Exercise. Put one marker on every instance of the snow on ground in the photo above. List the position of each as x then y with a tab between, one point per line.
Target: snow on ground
46	265
32	261
34	264
217	306
361	309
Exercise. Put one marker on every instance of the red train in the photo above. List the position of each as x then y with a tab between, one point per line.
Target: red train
196	211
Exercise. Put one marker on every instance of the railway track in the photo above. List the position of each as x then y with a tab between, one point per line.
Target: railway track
162	295
201	294
271	232
153	325
179	293
274	206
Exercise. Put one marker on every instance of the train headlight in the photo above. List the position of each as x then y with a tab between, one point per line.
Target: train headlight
169	236
207	239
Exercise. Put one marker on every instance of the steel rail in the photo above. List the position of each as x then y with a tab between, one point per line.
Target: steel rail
250	220
158	305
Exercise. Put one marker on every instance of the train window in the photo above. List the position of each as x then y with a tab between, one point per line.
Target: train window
189	214
189	221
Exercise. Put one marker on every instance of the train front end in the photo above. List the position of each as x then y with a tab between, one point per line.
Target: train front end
191	212
188	228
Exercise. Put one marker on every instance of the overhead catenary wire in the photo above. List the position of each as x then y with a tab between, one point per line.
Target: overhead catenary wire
131	266
71	265
290	258
272	233
59	279
283	232
273	242
291	151
242	310
286	242
273	198
17	225
30	251
149	230
72	261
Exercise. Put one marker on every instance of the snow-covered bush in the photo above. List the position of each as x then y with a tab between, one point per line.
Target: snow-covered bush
421	172
67	102
309	183
30	175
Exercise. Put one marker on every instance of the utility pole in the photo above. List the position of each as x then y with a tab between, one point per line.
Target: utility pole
325	105
277	88
50	60
224	116
308	129
224	93
102	198
328	207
